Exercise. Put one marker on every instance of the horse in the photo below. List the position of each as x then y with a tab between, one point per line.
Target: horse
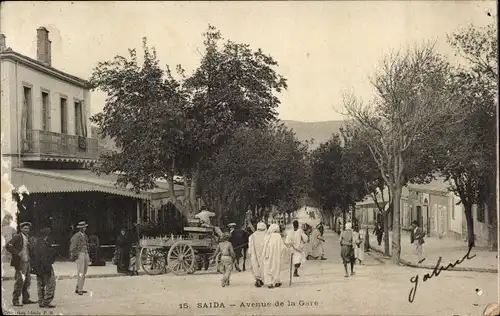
239	239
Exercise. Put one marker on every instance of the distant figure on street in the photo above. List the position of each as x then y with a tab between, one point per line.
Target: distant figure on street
79	252
346	248
417	239
297	239
123	248
358	239
255	249
20	249
227	257
317	240
339	226
379	232
274	249
43	258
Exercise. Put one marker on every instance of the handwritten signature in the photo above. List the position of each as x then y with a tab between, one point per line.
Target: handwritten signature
437	270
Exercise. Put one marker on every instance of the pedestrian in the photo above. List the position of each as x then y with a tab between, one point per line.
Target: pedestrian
317	240
42	258
273	251
227	257
20	249
297	239
122	249
79	246
255	248
379	232
346	248
358	239
417	239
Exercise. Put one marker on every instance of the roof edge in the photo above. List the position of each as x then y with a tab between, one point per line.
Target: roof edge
51	71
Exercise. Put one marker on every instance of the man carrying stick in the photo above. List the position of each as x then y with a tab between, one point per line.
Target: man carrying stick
297	240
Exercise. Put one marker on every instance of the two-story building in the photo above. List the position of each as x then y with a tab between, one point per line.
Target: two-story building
48	141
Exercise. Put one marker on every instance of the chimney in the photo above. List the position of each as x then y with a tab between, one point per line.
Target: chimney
43	46
2	43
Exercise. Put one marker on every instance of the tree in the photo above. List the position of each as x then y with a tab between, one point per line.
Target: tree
257	167
163	126
142	116
413	100
233	87
467	152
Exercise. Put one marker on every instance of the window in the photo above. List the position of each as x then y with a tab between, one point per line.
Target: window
78	119
45	111
29	109
64	116
480	212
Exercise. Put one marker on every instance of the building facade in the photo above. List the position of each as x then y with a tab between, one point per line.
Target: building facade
48	141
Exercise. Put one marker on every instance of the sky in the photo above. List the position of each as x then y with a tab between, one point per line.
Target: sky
323	48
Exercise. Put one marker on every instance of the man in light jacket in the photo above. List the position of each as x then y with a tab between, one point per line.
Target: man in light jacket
79	252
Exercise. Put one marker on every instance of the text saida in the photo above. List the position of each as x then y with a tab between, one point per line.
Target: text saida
210	305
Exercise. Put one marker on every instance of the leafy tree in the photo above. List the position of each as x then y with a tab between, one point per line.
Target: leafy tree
413	100
467	151
257	167
233	87
142	116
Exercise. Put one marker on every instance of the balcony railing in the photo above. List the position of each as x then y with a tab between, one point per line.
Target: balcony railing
62	145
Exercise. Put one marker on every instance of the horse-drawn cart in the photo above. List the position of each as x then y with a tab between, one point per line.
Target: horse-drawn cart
179	254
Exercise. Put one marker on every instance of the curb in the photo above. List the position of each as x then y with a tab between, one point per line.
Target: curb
89	276
431	267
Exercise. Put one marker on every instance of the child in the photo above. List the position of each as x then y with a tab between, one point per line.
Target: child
227	258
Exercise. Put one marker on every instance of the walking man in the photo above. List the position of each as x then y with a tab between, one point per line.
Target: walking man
297	240
79	252
346	248
272	256
255	248
225	248
19	247
43	258
417	239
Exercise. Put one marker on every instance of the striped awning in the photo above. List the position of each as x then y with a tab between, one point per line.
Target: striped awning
82	180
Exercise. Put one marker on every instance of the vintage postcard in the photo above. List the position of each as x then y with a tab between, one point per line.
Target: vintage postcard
249	158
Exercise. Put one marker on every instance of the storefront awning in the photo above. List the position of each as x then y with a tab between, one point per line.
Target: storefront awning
66	180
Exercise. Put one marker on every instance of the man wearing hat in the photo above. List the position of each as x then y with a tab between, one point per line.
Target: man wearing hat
417	239
79	251
42	260
19	247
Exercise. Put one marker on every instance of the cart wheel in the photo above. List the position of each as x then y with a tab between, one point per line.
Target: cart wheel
198	262
153	261
181	258
218	263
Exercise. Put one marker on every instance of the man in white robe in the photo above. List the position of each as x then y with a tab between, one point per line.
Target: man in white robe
255	249
297	239
273	256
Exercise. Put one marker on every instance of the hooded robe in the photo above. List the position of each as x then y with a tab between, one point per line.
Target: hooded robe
273	255
255	248
297	240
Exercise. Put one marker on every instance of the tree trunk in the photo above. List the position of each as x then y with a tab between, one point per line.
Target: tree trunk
344	218
470	224
385	219
193	190
396	227
367	239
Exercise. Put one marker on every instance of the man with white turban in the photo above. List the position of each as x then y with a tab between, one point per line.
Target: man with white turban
255	248
297	240
347	249
272	256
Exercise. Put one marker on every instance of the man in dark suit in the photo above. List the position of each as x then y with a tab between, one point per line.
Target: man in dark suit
19	247
42	259
417	239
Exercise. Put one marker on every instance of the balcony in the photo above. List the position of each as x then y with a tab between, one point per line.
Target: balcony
43	145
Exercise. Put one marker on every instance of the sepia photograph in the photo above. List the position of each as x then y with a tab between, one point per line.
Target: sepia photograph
251	158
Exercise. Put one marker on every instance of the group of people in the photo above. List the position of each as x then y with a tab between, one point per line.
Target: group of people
34	255
266	249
